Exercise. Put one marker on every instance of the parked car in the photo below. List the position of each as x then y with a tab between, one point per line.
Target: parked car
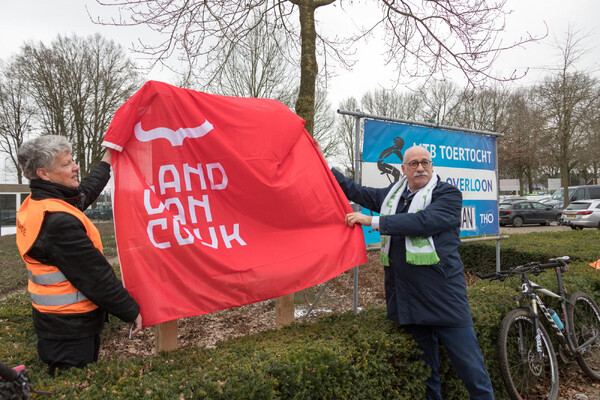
582	214
575	193
527	212
511	199
102	211
537	197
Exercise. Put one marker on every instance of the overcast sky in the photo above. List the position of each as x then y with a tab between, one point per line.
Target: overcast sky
43	20
35	20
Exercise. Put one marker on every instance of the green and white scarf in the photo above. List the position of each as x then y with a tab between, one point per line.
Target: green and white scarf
419	250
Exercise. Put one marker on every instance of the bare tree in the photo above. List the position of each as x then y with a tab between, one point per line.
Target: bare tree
594	143
440	99
78	84
257	67
423	36
567	97
16	112
324	127
346	132
429	37
521	151
111	78
392	104
589	156
485	110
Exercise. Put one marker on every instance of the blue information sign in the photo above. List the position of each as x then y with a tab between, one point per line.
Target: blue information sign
465	160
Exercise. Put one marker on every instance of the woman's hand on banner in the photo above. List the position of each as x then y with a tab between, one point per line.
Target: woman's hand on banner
136	326
107	155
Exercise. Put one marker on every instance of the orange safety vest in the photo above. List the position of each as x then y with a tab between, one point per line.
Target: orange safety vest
49	289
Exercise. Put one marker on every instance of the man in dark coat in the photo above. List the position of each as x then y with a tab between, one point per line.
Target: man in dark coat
425	287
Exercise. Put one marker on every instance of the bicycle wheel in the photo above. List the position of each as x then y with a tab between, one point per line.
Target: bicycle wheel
584	323
527	374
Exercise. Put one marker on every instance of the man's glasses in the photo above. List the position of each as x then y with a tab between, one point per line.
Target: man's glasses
415	164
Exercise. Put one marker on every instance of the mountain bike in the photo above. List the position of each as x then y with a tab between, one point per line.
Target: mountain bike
14	383
528	361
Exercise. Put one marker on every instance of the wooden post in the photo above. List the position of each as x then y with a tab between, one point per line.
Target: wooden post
284	310
166	336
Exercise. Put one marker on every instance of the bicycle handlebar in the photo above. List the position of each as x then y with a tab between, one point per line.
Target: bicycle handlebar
8	373
18	375
487	276
533	267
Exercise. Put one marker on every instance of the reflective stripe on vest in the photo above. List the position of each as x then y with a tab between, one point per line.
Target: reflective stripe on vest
57	299
49	289
46	279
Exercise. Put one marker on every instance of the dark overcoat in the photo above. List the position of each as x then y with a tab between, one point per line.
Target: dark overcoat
420	294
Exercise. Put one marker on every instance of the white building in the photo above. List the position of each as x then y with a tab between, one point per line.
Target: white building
11	197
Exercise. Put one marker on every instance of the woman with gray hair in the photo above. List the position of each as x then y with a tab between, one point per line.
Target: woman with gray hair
71	284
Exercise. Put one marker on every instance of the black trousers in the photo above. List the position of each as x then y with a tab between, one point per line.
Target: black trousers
65	354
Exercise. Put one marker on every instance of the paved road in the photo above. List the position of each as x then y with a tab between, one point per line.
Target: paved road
510	230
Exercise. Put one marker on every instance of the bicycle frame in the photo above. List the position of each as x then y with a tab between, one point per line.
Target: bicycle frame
529	291
528	359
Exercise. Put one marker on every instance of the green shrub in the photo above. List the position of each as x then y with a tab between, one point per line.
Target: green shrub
524	248
345	356
348	356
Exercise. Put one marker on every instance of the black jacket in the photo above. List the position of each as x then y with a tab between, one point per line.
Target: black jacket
64	243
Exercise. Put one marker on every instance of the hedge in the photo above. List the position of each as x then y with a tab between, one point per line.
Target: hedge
524	248
348	356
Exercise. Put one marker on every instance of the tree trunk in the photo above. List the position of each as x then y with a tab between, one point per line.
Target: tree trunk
530	179
564	174
305	105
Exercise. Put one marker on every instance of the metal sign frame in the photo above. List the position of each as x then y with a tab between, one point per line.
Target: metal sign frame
358	115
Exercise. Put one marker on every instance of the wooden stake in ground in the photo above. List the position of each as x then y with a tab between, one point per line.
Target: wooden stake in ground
284	310
166	336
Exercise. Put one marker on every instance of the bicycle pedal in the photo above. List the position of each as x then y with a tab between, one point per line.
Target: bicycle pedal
565	356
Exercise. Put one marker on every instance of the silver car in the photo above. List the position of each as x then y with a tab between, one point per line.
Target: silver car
582	214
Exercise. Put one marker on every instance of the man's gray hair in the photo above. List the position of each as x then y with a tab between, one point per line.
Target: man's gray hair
41	152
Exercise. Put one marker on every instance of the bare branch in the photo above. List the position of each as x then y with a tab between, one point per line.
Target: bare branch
447	35
424	37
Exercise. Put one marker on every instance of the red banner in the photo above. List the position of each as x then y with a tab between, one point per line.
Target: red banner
220	202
